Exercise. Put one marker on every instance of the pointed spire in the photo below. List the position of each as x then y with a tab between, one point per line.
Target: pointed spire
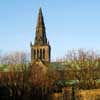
40	19
40	37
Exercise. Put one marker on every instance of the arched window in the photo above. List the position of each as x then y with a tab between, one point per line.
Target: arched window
43	53
37	54
34	54
40	53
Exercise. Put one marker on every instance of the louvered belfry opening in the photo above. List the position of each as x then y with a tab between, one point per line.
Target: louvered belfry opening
41	49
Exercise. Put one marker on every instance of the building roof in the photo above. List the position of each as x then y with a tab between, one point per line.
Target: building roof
58	66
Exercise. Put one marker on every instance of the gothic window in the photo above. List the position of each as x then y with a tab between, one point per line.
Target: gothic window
43	53
34	54
37	53
40	53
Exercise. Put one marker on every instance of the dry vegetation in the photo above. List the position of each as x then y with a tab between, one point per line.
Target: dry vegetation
83	66
80	65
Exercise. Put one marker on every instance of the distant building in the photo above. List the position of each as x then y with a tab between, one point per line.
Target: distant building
65	87
41	55
41	49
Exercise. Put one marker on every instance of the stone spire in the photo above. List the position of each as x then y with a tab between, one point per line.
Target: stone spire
41	49
40	37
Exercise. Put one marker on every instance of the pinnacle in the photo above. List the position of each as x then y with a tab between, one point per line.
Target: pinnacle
40	18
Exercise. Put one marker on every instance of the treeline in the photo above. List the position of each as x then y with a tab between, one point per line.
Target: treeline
14	58
29	79
83	66
25	80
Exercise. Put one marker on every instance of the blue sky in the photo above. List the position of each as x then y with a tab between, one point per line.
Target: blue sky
70	24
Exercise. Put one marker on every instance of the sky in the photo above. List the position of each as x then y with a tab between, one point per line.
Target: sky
70	24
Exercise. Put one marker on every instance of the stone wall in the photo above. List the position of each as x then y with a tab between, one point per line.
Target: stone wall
66	94
93	94
57	96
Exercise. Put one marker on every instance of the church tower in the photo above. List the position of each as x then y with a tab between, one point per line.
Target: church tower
41	49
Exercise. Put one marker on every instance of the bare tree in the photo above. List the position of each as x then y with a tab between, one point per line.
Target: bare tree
83	66
14	58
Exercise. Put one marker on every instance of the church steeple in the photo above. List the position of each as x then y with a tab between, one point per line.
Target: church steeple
40	38
41	49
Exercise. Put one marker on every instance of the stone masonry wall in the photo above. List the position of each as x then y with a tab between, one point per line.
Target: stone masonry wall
88	94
